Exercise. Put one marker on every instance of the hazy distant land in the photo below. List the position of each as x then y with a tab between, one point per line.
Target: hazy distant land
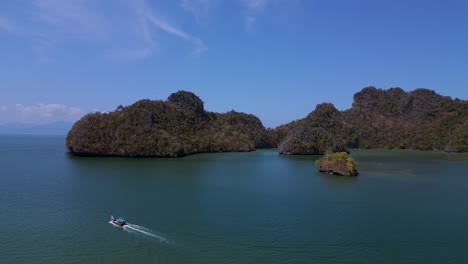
56	128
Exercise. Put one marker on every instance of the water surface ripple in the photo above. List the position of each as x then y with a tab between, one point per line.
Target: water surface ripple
258	207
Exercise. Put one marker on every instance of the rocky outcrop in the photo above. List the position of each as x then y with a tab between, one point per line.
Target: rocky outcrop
337	163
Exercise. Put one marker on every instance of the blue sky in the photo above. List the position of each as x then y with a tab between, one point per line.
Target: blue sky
277	59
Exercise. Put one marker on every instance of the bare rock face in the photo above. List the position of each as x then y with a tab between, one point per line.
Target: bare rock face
337	163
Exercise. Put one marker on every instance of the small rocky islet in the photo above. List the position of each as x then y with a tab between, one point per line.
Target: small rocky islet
180	126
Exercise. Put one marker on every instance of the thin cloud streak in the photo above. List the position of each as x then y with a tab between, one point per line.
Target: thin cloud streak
199	9
43	113
255	5
252	8
255	10
6	25
39	113
72	17
162	24
200	46
127	31
249	23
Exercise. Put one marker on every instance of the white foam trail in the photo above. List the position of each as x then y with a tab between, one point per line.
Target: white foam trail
140	230
112	223
143	231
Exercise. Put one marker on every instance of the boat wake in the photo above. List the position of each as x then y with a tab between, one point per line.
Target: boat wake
142	231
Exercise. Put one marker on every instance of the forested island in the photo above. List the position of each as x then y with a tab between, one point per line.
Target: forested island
390	119
383	119
154	128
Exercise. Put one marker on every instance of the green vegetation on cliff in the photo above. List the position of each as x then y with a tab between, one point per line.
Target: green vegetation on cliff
321	131
172	128
390	119
337	163
420	119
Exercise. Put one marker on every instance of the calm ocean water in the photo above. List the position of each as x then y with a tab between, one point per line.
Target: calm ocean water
259	207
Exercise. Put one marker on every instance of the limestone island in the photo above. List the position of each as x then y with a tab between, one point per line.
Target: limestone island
174	128
180	126
337	163
380	119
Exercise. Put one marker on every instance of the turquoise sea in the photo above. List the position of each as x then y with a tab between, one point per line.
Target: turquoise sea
258	207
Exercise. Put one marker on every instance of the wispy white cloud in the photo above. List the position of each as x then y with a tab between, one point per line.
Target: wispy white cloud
128	30
43	113
162	24
249	22
197	8
255	5
7	25
252	10
3	108
123	36
72	17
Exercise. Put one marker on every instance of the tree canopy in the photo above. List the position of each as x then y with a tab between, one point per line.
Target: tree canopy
177	127
389	119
